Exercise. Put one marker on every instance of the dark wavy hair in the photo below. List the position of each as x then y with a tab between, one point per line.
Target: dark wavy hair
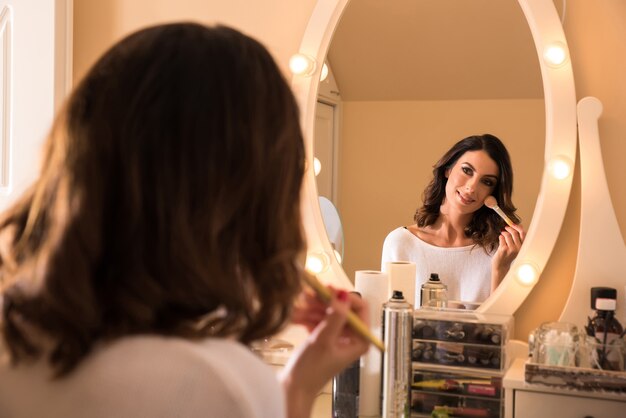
168	201
485	226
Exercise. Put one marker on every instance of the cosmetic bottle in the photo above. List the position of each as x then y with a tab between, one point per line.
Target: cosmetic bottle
434	293
345	390
345	398
605	347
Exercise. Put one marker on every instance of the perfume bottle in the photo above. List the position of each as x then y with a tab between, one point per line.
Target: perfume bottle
605	347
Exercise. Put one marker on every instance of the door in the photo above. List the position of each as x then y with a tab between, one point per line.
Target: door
35	63
324	150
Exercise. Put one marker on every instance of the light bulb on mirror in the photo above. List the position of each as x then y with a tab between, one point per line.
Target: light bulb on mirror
560	167
317	166
555	54
316	262
527	274
302	64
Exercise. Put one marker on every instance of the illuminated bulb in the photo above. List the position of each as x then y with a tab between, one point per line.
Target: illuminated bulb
555	54
317	166
316	262
337	256
301	64
527	274
324	73
560	167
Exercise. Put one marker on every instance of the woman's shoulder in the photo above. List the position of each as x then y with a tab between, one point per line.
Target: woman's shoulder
403	236
399	245
399	234
156	346
142	375
218	372
207	360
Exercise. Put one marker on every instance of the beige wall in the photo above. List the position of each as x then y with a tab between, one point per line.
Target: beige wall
595	31
279	24
387	150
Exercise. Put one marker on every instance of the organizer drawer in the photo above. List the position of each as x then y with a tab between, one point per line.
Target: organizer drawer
455	383
457	354
424	403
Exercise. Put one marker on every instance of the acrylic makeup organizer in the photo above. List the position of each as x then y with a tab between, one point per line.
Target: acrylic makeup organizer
459	360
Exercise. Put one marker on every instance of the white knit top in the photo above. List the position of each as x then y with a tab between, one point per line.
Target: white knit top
148	376
465	270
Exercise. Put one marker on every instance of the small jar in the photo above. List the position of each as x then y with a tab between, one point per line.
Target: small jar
554	344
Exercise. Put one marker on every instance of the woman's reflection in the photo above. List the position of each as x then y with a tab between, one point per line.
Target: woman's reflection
455	235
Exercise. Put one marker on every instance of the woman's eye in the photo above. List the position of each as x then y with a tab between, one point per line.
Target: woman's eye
466	170
489	183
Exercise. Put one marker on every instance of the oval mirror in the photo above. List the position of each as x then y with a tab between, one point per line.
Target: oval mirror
430	75
560	137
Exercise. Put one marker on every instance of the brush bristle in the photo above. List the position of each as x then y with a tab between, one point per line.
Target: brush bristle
491	202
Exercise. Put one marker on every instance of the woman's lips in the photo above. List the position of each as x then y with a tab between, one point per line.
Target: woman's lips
465	199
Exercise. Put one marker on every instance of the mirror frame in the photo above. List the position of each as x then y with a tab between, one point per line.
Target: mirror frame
560	143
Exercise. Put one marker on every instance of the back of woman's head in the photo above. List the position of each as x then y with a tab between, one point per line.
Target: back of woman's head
168	200
486	225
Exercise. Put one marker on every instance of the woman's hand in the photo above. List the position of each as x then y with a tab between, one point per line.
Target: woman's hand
309	310
330	348
511	239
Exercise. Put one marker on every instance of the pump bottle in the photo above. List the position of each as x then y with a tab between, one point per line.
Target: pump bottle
604	329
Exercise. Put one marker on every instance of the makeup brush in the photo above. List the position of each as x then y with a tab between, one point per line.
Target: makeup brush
492	203
353	320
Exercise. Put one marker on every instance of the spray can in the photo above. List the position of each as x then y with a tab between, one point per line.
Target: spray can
434	293
397	326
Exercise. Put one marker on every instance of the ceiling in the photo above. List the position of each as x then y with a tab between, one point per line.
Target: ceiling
434	50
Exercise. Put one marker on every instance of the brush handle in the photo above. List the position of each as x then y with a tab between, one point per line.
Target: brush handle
354	321
503	216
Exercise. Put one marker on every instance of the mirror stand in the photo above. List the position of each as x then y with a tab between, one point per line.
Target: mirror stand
601	257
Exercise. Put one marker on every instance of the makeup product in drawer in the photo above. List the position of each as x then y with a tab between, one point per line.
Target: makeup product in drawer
448	382
469	332
457	354
424	404
461	339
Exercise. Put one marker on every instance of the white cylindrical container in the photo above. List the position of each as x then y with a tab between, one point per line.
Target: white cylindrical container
372	285
402	277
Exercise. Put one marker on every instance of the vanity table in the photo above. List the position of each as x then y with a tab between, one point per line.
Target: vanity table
595	262
527	400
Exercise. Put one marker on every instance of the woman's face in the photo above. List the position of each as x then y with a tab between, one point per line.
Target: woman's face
471	179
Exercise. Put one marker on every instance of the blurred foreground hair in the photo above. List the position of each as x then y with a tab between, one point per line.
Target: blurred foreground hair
168	201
